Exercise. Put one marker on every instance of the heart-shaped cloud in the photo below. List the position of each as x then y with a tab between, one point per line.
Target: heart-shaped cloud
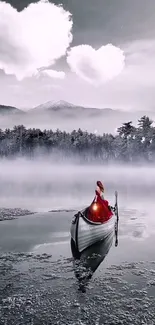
96	66
32	38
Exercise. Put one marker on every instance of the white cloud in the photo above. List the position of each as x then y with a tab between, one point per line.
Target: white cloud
33	38
53	74
96	66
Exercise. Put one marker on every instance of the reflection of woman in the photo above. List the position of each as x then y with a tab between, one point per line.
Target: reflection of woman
99	210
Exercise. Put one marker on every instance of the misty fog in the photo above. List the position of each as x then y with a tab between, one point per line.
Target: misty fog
42	184
65	122
99	121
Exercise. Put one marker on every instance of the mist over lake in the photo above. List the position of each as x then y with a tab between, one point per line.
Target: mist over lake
43	184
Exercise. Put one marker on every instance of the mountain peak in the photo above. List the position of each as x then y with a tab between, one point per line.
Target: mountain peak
54	105
62	103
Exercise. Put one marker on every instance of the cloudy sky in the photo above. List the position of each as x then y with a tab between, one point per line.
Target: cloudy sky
96	53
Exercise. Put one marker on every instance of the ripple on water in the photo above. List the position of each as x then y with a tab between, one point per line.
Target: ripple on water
136	224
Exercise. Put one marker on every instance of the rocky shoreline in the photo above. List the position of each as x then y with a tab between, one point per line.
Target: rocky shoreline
62	210
13	213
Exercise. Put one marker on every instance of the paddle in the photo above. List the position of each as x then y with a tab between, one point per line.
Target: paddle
117	218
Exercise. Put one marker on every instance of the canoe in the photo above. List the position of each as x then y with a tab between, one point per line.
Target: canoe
87	262
85	233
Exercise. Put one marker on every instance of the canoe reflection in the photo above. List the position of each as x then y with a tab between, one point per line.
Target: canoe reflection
87	262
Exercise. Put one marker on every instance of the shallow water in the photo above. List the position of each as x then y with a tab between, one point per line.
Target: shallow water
37	276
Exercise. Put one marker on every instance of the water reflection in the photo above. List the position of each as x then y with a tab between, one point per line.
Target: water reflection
87	262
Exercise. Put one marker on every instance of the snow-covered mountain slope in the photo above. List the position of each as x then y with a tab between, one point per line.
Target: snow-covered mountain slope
54	105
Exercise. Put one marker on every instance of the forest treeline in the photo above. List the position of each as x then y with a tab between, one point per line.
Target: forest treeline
130	144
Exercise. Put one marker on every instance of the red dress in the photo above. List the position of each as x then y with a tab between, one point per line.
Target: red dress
99	210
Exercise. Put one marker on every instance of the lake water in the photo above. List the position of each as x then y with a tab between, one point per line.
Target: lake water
38	274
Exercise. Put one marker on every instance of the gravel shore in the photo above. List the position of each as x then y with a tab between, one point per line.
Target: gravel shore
10	214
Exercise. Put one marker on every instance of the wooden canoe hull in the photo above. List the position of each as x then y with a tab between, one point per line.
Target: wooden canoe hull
86	233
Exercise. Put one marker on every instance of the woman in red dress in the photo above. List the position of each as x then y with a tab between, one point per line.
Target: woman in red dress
99	210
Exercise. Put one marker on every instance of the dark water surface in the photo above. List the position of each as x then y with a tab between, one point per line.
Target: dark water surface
37	274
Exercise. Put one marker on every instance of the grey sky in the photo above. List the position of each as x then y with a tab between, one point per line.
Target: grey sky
107	20
129	24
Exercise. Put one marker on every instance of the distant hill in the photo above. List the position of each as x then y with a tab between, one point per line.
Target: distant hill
66	116
67	110
63	106
53	105
9	110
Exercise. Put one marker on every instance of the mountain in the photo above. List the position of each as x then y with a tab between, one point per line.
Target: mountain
66	116
62	105
53	105
67	110
10	116
5	110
